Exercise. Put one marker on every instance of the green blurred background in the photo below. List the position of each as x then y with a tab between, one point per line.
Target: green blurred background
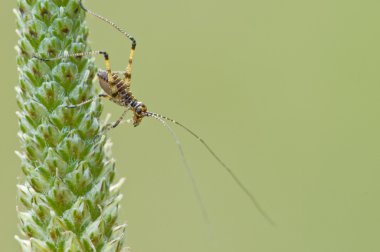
286	92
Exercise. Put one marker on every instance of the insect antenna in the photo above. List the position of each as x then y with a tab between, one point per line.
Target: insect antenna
188	169
231	173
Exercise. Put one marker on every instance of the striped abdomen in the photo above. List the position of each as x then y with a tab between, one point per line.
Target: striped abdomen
120	93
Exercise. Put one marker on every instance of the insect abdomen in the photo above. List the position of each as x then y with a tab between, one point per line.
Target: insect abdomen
103	81
121	94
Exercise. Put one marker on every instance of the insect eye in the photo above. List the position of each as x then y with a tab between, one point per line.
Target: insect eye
141	109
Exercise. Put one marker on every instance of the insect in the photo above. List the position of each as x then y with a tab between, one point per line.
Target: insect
117	89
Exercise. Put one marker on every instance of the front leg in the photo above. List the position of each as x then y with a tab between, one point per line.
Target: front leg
89	100
113	125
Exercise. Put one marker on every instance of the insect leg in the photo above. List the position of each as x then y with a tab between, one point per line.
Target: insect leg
113	125
83	54
89	100
128	71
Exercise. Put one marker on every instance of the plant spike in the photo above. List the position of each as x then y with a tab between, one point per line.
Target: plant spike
67	201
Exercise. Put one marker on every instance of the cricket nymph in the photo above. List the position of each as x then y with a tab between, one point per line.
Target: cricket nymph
117	89
122	96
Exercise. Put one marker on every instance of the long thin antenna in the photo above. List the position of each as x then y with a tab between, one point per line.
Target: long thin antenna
234	177
188	169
